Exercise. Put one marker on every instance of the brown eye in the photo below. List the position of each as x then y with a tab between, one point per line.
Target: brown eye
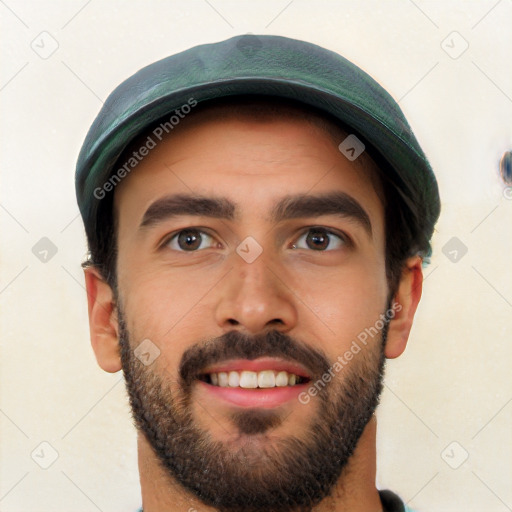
189	240
320	239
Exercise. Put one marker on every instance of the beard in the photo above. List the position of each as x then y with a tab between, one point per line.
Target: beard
289	474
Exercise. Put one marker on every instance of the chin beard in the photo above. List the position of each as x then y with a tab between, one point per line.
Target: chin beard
282	475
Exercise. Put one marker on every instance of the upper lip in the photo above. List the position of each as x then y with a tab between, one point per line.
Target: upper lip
258	365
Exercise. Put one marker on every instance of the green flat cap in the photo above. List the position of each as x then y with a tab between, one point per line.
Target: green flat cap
261	65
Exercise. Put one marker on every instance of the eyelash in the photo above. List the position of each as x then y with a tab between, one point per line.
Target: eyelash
345	240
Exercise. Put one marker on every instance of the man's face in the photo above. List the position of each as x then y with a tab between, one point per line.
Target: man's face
258	295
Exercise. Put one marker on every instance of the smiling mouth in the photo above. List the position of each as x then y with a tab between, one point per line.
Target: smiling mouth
265	379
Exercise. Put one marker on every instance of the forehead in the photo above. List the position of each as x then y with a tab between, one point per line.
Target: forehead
256	150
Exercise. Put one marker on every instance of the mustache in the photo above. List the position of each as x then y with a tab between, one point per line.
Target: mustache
239	345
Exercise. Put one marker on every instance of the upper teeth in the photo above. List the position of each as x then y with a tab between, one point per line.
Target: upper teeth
253	380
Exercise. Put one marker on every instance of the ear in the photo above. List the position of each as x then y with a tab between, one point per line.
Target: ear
404	306
103	324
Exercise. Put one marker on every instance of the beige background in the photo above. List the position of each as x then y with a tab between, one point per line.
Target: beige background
453	384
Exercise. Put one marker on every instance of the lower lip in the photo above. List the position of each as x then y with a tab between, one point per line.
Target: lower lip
262	398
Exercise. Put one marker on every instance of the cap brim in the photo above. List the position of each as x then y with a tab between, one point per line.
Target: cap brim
303	72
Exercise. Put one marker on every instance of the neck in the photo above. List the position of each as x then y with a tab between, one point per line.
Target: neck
355	491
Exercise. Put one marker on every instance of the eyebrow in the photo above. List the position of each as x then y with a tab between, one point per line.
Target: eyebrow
289	207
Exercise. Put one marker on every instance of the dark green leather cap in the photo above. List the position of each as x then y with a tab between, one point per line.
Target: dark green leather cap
263	65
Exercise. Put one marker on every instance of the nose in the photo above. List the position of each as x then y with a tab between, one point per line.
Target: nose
254	297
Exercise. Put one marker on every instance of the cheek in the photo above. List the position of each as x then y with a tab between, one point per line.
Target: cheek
345	302
166	308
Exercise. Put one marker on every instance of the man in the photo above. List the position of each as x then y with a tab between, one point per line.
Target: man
257	213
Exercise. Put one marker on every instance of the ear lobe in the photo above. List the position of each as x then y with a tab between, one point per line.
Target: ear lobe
405	302
102	321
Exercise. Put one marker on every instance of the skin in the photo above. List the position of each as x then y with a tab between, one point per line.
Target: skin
324	298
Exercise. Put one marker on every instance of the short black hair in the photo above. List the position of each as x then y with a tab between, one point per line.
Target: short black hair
404	225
